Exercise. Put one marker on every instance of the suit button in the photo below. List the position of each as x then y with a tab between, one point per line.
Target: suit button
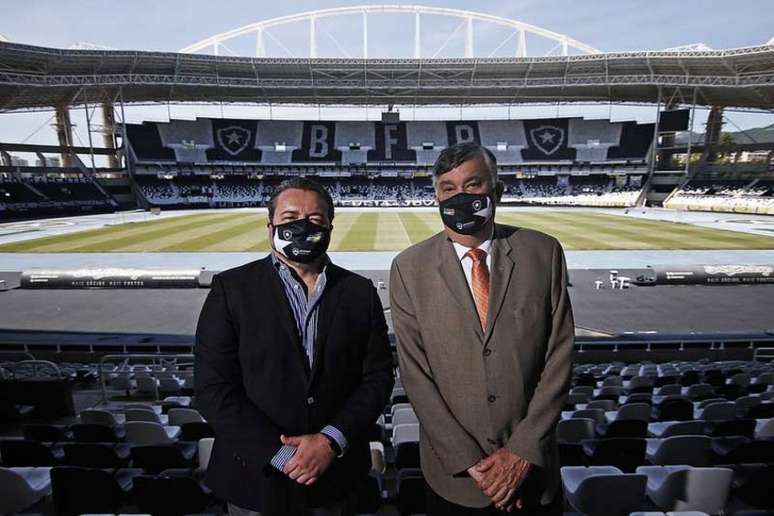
492	398
310	400
487	352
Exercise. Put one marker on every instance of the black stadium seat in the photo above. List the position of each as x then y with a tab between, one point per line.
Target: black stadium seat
79	490
24	453
622	452
164	495
47	433
157	458
97	455
95	433
195	431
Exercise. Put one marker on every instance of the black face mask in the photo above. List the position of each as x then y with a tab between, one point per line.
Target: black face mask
467	213
301	240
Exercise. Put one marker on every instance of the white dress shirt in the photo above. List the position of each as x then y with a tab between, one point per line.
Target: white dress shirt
467	261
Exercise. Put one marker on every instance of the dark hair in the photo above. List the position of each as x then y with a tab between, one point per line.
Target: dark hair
455	155
300	183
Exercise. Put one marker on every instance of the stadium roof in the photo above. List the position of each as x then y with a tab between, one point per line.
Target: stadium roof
36	77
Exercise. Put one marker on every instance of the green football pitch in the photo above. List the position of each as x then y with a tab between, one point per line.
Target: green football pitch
386	231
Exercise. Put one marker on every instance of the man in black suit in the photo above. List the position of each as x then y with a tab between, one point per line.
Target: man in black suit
292	369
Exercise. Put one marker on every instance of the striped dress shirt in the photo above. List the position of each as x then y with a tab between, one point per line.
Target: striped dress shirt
305	312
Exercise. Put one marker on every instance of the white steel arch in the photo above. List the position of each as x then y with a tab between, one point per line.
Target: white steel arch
3	38
563	42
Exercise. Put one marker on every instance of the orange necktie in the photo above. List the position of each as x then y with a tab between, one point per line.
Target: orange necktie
480	283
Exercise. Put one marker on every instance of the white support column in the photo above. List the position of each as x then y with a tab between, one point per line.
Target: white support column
216	47
417	38
521	46
259	50
312	38
365	34
564	46
469	38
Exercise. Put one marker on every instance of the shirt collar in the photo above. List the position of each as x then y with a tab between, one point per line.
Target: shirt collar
485	246
279	264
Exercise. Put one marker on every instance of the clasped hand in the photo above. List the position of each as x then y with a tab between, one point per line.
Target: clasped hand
499	476
312	458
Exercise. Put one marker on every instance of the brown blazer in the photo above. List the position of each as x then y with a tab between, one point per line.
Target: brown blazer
477	391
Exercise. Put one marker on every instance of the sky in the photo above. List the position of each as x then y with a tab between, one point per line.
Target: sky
169	25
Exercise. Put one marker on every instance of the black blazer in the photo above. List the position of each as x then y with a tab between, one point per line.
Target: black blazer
252	383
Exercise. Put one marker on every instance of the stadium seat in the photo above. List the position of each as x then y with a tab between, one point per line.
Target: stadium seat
575	430
693	450
405	440
622	452
404	416
639	411
686	488
145	415
721	411
623	428
86	490
378	463
47	433
96	455
101	417
97	433
673	409
764	429
743	427
742	450
763	410
195	431
598	415
603	490
23	487
204	452
368	497
605	405
669	389
752	484
166	495
24	453
148	433
156	458
179	416
411	488
700	391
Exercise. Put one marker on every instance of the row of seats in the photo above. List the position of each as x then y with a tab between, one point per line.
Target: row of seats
606	490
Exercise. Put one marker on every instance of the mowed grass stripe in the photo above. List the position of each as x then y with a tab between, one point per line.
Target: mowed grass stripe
571	237
253	237
68	241
362	235
172	242
342	224
650	236
583	233
157	237
419	226
391	235
606	231
216	236
700	237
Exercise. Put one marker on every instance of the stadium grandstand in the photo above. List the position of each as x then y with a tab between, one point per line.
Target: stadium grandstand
109	245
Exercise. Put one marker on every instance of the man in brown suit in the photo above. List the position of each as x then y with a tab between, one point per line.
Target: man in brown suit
485	359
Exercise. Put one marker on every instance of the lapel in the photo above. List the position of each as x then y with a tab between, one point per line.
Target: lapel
278	301
450	269
327	308
503	261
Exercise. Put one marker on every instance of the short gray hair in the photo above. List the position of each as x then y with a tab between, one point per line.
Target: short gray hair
455	155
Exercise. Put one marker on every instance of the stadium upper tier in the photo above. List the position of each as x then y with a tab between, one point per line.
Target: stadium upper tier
33	77
353	143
